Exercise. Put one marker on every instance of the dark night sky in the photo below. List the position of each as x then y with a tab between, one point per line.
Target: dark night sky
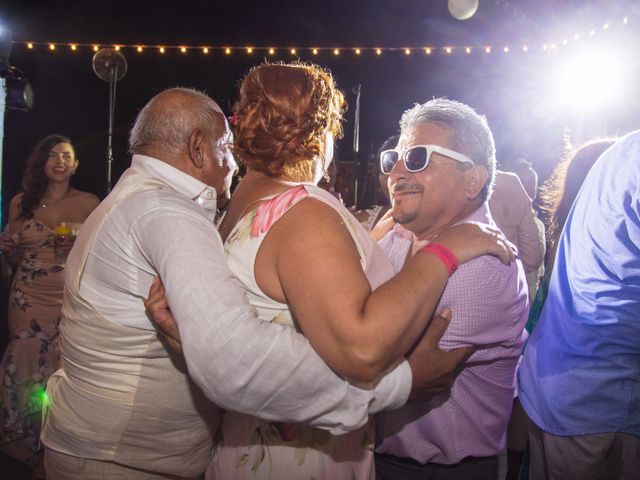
508	88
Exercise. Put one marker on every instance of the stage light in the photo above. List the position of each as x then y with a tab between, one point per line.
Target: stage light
19	94
592	79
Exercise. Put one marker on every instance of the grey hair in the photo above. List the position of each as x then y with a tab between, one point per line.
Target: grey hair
171	127
470	132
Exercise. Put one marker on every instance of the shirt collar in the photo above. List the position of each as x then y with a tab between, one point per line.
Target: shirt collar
481	215
203	194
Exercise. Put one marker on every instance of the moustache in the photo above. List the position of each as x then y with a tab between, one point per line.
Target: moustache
401	187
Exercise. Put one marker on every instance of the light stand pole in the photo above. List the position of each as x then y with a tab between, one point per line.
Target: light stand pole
111	66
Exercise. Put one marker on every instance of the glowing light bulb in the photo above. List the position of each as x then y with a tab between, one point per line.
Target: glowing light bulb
378	51
468	49
227	51
506	49
336	52
525	49
314	51
74	47
358	51
139	49
625	20
249	50
427	51
293	51
407	51
30	46
487	49
96	48
117	48
448	50
52	46
183	49
205	50
271	51
162	50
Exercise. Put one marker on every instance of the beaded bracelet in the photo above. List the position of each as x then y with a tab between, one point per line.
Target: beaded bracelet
443	253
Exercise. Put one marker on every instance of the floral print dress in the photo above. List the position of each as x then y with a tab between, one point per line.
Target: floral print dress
250	448
35	301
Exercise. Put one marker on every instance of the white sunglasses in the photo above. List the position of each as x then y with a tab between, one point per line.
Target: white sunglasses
417	158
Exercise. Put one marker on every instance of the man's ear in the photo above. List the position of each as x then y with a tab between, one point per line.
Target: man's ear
477	177
195	148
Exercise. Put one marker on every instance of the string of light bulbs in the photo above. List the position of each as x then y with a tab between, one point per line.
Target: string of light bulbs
315	51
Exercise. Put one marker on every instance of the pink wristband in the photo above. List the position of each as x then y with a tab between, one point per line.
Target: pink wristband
443	253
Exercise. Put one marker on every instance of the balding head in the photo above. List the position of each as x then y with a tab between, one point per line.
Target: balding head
187	130
163	126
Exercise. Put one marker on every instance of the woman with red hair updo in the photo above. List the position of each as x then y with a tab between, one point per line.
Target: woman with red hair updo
306	263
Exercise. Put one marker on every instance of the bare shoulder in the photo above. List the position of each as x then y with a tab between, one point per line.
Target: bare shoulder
14	211
312	216
311	229
15	201
84	203
88	199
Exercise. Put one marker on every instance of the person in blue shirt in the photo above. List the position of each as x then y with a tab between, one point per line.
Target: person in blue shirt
580	375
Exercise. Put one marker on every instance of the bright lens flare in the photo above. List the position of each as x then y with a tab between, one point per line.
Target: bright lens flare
591	79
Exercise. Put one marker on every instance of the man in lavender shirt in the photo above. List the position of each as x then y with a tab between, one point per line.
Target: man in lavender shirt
441	174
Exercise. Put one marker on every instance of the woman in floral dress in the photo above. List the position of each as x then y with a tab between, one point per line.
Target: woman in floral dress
39	234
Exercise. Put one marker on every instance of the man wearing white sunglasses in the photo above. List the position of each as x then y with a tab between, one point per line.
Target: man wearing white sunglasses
441	174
